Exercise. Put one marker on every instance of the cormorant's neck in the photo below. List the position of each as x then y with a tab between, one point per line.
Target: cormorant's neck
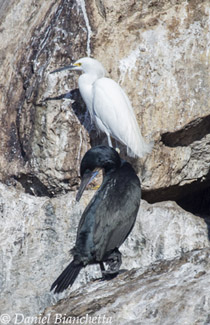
112	167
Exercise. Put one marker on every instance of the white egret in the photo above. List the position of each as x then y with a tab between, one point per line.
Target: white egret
109	107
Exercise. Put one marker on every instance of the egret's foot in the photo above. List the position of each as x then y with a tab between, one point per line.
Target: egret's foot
96	187
118	150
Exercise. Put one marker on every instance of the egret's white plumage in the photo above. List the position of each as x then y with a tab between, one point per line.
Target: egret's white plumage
109	107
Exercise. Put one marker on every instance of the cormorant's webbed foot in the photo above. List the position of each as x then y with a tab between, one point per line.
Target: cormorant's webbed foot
113	261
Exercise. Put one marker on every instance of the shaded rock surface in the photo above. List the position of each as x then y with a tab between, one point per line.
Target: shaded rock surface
169	292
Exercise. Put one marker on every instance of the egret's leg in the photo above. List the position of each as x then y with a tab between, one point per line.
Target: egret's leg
116	147
115	142
109	140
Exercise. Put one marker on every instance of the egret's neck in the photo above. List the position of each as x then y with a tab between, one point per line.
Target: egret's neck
85	83
88	78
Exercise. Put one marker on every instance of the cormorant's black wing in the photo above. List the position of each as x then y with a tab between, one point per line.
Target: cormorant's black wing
114	209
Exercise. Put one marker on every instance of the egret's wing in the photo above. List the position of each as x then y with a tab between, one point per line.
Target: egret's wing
86	91
115	116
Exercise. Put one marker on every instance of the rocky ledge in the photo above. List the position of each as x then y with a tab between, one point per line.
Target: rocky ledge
167	292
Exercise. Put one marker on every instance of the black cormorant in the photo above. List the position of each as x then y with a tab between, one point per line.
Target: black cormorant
109	217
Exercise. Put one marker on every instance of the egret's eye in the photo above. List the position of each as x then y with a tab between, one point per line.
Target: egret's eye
78	64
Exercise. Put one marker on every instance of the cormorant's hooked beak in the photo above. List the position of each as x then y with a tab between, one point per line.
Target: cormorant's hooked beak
86	179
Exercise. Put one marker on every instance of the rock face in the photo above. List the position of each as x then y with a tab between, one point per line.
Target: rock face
178	289
47	141
159	53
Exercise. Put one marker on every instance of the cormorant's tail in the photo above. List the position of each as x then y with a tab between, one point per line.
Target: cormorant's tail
67	277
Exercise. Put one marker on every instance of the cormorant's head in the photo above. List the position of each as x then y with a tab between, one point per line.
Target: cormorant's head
87	65
100	157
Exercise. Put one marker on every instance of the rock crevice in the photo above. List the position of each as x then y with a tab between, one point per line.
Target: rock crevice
193	131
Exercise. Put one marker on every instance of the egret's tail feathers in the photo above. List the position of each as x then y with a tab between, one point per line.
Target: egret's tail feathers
67	277
140	148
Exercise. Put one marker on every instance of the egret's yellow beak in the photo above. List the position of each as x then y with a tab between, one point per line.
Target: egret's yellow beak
68	67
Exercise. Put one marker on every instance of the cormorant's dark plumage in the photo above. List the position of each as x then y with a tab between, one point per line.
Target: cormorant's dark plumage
109	217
